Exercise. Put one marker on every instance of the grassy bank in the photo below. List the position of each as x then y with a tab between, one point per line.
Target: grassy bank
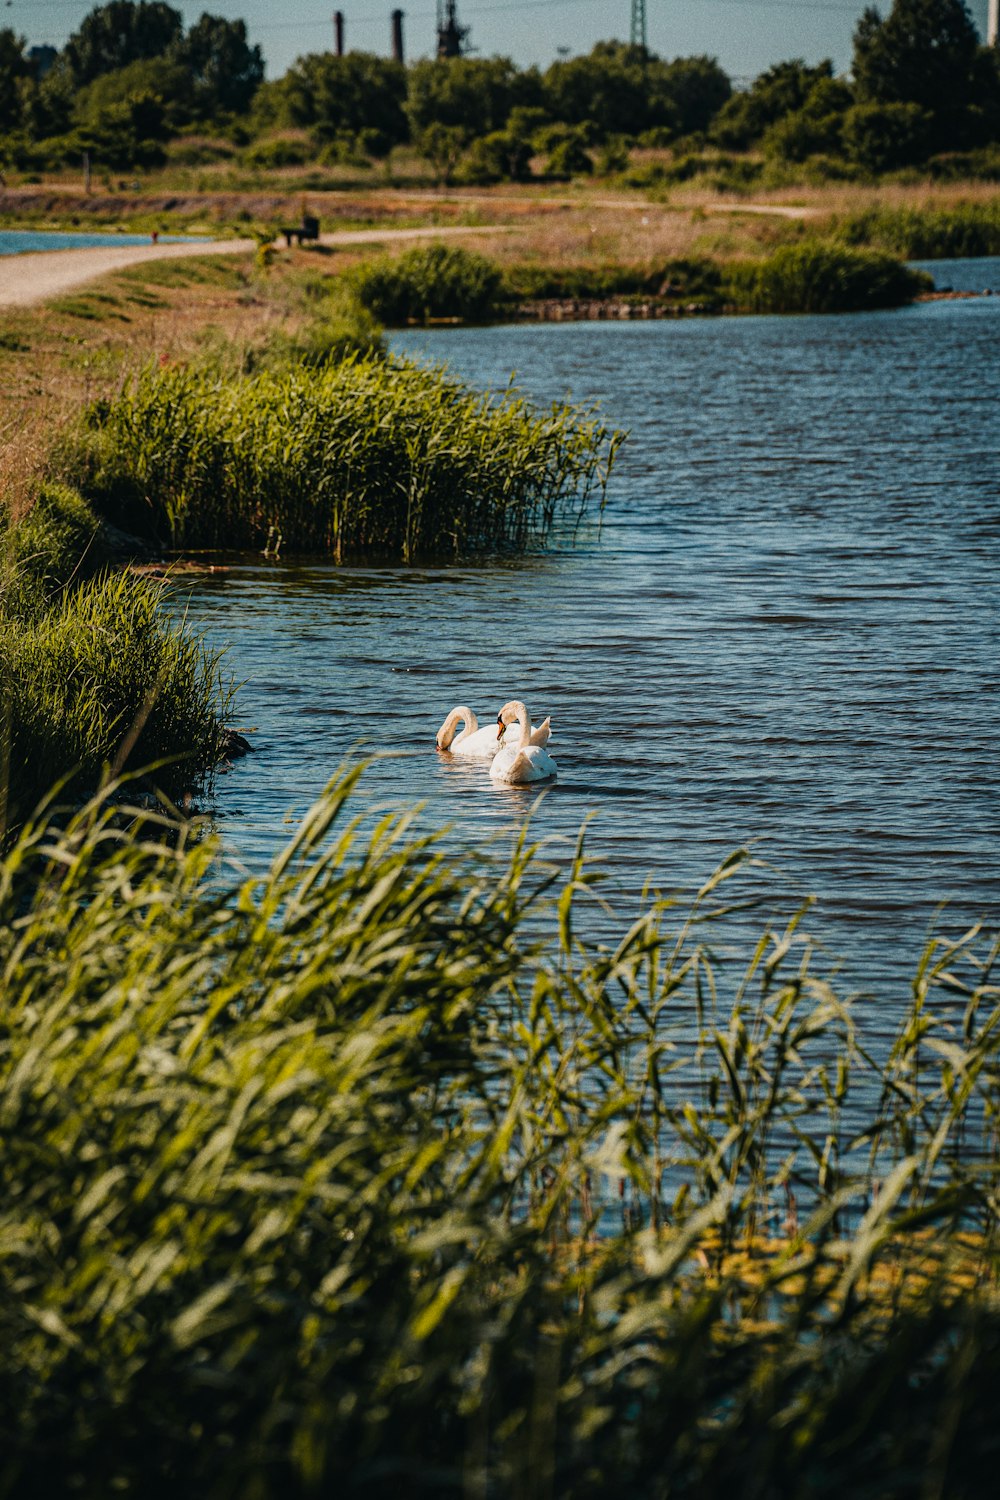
360	458
94	678
333	1180
445	283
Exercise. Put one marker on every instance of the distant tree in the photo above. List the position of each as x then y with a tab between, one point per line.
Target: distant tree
442	146
224	71
337	97
884	137
817	128
153	95
984	98
14	66
474	94
922	53
614	86
47	104
778	92
112	36
698	89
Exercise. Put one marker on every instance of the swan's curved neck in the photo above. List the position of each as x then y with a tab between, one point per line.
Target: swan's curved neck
524	724
458	716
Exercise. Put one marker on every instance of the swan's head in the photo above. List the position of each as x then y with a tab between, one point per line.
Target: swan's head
513	712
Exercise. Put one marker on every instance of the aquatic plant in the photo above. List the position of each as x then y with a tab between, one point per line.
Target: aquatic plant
347	1178
814	277
431	282
361	458
99	681
94	675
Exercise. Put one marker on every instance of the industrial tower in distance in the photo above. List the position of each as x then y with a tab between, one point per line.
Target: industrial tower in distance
637	31
451	36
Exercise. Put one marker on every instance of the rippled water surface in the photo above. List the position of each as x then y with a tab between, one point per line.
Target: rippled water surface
785	632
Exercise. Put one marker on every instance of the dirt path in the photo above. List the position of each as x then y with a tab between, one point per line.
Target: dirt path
30	278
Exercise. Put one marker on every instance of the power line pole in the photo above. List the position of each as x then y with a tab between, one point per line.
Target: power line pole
637	32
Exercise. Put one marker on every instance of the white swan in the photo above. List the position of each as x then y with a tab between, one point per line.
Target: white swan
476	742
527	760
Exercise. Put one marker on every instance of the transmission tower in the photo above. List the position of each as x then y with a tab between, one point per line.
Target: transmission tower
637	34
451	36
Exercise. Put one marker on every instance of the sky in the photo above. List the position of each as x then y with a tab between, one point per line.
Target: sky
746	36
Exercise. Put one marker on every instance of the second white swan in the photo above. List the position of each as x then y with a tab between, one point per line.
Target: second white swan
526	760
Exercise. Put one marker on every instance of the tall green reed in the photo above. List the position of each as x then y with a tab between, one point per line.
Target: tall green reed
965	229
350	1177
94	676
99	681
362	458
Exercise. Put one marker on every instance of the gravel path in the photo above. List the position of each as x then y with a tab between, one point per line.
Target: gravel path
30	278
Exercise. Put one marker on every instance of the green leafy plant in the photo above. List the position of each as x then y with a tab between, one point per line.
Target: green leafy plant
365	457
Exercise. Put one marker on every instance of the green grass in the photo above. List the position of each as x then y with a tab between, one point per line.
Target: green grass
93	307
348	1179
968	229
95	678
361	458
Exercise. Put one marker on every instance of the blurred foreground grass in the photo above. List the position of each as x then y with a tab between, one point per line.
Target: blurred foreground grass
349	1179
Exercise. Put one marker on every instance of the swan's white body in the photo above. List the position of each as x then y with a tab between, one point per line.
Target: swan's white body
479	743
527	760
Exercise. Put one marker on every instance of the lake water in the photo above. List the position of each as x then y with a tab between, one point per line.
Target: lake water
785	632
21	241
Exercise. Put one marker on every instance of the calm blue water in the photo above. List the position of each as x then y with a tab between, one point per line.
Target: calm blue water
786	632
21	241
980	274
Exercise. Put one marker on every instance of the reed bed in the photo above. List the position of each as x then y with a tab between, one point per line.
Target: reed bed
363	458
815	277
923	232
94	676
337	1181
431	282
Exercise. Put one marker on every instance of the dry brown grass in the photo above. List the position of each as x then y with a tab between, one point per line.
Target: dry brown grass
84	345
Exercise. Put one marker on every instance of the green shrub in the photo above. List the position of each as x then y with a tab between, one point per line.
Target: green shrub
279	151
500	156
432	281
569	159
884	137
820	278
366	457
340	1180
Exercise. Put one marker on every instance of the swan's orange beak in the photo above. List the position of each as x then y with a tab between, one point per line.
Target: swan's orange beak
501	726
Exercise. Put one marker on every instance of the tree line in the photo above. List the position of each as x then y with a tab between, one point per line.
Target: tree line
131	79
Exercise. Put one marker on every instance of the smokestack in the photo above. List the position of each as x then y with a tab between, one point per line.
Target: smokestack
993	23
338	32
397	35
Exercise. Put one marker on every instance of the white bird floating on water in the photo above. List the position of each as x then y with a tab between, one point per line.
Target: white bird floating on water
475	742
527	760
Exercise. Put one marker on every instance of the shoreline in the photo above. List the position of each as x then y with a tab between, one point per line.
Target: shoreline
34	275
